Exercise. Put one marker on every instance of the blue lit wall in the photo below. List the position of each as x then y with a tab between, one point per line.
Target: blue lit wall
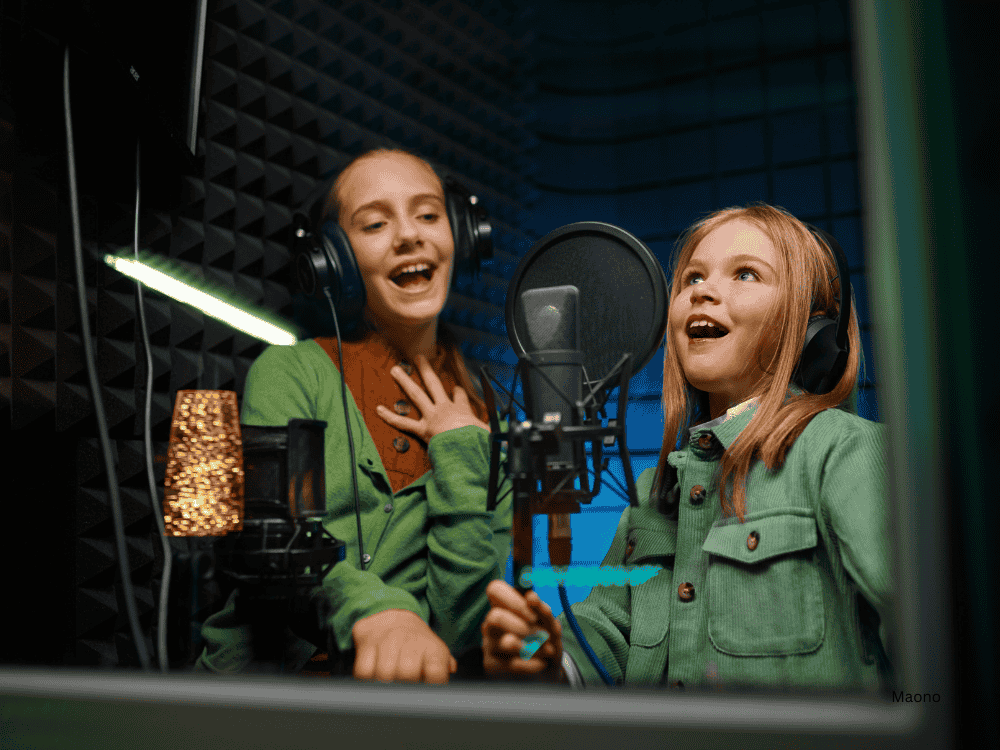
650	115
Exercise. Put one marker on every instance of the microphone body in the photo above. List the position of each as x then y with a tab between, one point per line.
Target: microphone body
553	393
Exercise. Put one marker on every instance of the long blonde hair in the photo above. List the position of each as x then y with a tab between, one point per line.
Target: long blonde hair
808	286
454	361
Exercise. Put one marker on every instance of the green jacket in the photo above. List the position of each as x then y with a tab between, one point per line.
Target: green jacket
433	545
778	601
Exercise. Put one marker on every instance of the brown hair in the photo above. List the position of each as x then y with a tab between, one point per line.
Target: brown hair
454	361
805	289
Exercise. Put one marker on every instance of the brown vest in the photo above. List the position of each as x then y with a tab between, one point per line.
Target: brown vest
367	363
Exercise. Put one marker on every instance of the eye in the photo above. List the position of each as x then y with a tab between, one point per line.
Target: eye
744	271
690	277
372	227
430	218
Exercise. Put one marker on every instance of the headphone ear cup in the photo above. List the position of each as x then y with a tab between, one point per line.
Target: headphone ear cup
470	227
822	362
350	296
458	219
326	263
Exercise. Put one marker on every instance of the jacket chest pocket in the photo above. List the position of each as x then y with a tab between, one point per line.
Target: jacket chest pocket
765	597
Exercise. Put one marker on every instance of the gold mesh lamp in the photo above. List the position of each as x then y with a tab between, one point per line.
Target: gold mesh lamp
204	480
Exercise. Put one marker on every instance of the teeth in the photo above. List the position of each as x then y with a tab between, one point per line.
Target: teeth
705	326
412	269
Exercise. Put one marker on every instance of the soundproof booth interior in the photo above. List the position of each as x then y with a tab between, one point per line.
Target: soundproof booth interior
161	164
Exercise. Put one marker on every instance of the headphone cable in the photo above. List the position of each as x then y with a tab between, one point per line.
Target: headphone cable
347	422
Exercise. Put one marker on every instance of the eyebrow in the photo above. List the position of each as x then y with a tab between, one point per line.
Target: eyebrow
414	201
741	258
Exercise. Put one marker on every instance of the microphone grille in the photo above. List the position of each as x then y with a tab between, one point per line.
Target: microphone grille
552	317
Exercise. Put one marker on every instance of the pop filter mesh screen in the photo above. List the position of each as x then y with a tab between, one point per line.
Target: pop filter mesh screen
620	308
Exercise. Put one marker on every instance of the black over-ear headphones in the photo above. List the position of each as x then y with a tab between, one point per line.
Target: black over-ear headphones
326	267
825	349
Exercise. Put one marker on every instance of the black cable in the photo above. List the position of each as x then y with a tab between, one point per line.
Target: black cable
161	626
95	389
347	422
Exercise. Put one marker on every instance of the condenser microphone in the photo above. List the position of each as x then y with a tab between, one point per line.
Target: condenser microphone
552	392
585	309
571	359
555	383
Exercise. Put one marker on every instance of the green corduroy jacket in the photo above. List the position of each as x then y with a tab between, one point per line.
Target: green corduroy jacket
433	545
783	600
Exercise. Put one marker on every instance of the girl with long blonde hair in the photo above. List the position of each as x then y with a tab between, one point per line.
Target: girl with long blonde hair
767	511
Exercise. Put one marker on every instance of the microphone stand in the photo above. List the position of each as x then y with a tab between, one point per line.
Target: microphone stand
530	442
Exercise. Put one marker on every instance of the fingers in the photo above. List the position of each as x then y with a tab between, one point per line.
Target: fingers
402	651
503	633
437	666
542	610
389	662
412	389
431	380
408	665
364	663
407	424
388	666
503	657
510	620
502	594
499	621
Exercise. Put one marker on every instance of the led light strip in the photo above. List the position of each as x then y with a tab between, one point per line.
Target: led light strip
213	306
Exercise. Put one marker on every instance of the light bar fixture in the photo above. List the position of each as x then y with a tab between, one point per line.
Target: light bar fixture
184	292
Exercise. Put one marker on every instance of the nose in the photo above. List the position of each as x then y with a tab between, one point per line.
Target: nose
706	291
407	231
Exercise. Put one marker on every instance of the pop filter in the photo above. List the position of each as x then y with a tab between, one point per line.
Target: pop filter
623	293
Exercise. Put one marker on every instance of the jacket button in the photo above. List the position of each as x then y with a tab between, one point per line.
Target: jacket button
388	508
407	367
629	548
705	441
686	592
698	494
366	558
401	444
752	540
402	407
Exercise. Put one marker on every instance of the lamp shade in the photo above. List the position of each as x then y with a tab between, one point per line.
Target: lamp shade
204	480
